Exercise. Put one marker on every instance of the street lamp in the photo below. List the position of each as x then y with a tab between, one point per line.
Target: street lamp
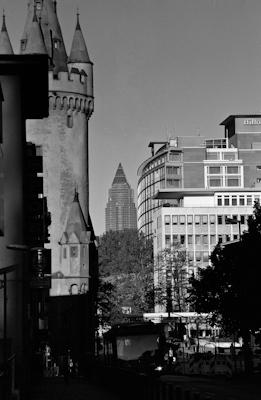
234	221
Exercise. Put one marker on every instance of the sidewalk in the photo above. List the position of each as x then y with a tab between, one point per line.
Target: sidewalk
76	389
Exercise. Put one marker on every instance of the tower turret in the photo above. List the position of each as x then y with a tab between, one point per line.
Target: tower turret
35	42
5	44
46	14
79	57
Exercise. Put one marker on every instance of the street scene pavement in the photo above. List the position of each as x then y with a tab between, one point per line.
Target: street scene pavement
219	388
75	389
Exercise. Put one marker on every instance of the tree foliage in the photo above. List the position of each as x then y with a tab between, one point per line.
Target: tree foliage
230	287
126	269
172	278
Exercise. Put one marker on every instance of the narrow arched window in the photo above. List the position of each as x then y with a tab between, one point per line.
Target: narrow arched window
69	121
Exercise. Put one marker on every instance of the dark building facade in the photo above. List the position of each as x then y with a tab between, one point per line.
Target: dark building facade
120	212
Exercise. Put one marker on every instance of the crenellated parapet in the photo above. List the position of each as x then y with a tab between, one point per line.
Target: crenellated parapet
68	91
71	102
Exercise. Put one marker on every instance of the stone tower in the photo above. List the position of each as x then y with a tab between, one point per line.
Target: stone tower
120	212
62	138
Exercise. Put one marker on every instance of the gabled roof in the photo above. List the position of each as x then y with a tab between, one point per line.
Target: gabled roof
119	176
51	31
5	43
76	223
79	52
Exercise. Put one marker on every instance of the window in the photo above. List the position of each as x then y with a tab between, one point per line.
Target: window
190	239
215	182
219	201
227	238
182	219
234	201
175	183
175	238
69	121
212	239
23	44
220	219
220	238
232	170
182	239
204	219
214	170
197	239
229	156
212	219
190	219
171	170
241	200
235	237
197	219
74	251
233	182
167	219
213	156
167	240
174	219
174	156
226	201
64	252
198	256
205	239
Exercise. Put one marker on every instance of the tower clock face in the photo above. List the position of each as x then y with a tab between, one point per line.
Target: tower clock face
38	5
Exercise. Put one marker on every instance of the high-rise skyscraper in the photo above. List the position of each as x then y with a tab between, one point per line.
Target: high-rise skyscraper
120	212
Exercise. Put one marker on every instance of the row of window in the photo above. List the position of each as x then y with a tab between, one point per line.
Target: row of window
231	155
198	239
223	181
237	200
202	219
228	169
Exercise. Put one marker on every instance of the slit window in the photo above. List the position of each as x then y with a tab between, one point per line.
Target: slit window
69	121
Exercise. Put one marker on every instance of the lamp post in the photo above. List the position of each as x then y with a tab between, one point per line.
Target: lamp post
233	221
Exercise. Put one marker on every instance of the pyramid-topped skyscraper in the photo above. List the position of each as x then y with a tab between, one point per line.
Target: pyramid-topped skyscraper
120	212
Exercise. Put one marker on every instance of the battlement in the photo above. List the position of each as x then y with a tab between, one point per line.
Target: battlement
71	102
73	82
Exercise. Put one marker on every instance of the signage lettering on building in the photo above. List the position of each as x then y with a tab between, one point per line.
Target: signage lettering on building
252	122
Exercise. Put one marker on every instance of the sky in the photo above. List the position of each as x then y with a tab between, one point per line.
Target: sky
162	68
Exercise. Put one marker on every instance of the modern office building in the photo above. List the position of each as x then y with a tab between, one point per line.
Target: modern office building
191	186
200	165
120	212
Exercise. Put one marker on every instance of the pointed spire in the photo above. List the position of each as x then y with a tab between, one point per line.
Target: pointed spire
35	42
79	52
5	44
119	176
51	32
76	222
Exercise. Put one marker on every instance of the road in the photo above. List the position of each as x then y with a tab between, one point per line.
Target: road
76	389
219	388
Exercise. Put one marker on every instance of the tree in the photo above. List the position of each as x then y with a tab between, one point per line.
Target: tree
229	288
171	278
126	263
